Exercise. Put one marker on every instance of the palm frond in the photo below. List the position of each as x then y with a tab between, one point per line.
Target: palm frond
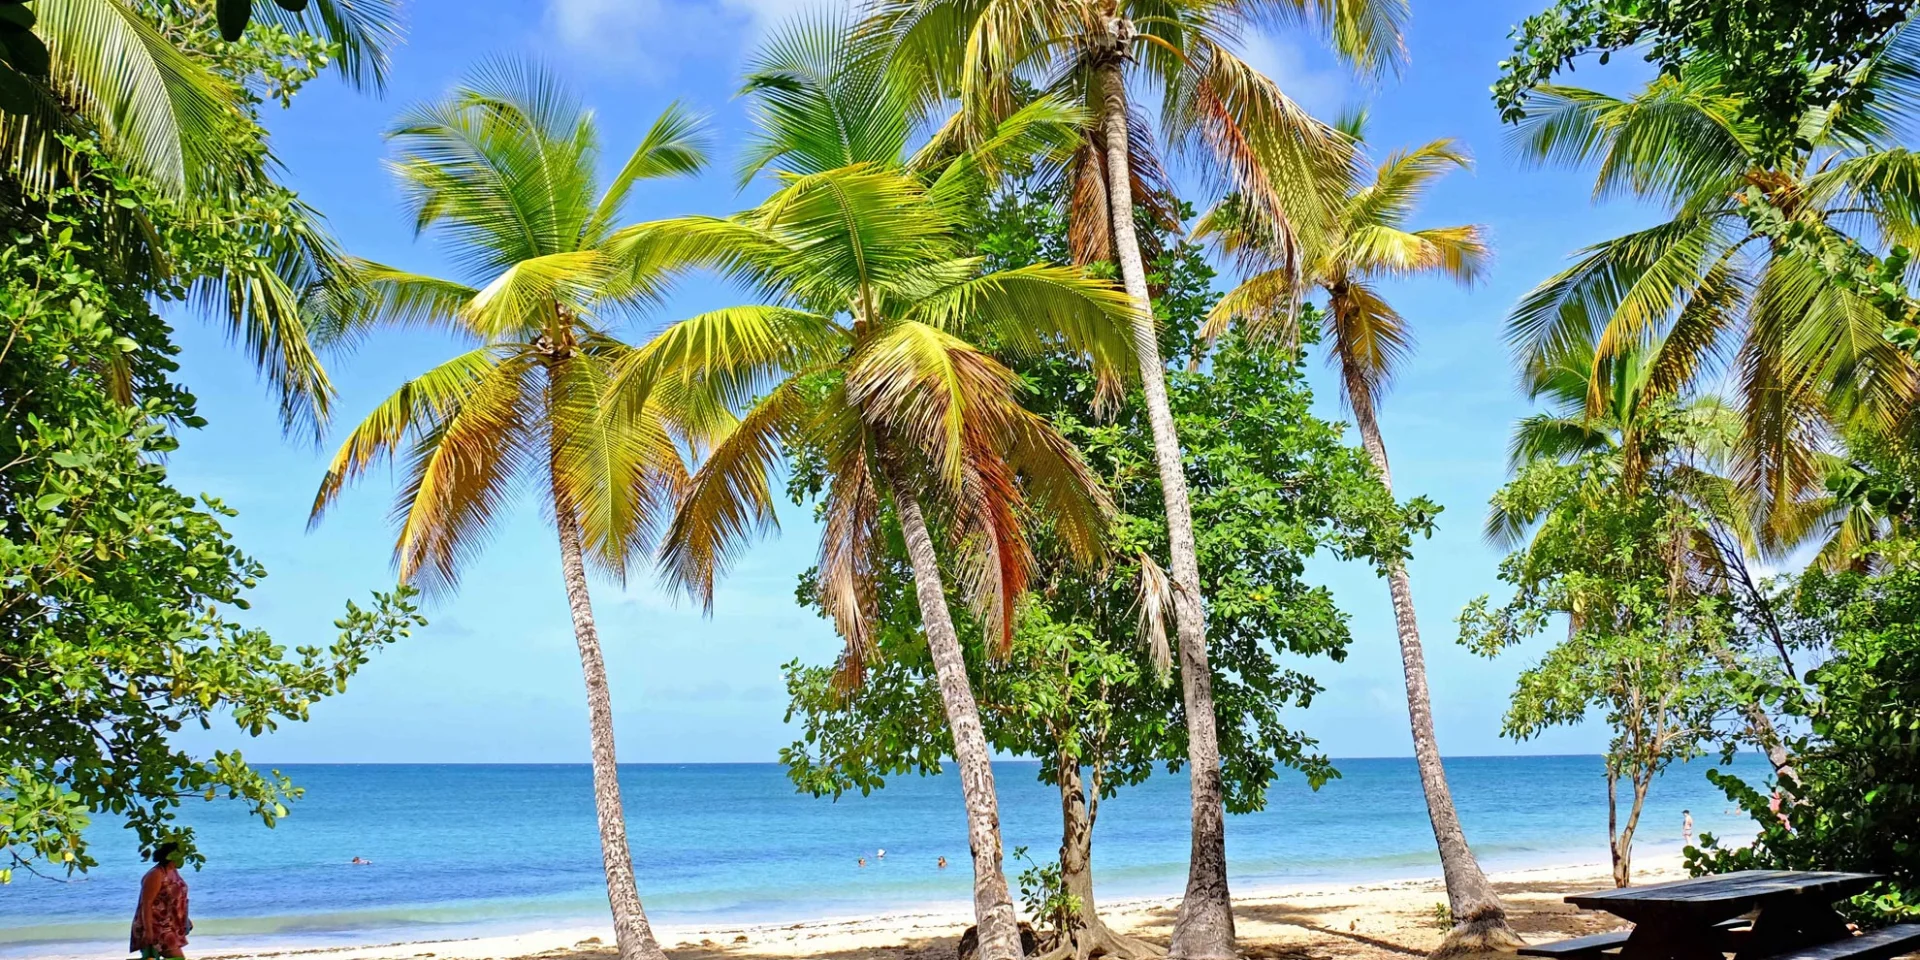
157	108
675	146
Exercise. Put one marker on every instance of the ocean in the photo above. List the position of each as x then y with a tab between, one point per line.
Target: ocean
505	849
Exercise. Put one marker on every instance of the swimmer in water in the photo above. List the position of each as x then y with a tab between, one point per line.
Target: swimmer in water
362	862
863	861
943	863
881	855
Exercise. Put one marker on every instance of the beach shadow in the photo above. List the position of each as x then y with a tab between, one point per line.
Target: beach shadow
921	948
1305	919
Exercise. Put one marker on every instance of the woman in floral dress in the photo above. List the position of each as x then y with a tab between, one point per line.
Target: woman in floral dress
160	921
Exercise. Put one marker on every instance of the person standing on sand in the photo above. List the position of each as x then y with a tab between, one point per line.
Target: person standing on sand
160	924
1686	828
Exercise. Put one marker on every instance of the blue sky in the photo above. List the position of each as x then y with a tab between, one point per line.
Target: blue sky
496	678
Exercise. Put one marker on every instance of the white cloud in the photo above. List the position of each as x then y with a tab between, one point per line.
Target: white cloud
648	38
1322	89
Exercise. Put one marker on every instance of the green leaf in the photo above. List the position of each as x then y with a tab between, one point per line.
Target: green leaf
16	14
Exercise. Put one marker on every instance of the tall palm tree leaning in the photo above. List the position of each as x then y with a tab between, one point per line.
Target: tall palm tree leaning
505	167
1220	110
859	358
1366	240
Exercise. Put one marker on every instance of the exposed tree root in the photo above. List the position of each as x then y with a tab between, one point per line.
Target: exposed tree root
1096	939
1478	937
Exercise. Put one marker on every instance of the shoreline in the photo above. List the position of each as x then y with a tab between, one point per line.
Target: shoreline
1394	915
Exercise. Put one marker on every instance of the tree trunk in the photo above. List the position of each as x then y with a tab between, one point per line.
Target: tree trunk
1623	845
1089	936
630	928
1204	928
1622	870
992	904
1479	918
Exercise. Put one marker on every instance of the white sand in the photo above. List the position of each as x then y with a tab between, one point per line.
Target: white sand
1383	918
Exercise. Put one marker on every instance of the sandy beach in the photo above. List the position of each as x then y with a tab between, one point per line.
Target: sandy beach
1369	921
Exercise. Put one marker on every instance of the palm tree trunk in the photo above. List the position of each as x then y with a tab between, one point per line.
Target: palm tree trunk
1204	928
1479	918
630	928
998	926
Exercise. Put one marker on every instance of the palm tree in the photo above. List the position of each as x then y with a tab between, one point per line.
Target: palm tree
136	80
1214	106
505	168
1367	241
859	361
1809	355
153	103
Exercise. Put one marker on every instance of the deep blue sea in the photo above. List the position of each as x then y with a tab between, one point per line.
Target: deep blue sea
515	848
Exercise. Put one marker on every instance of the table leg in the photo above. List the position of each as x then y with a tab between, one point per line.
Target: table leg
1663	940
1789	927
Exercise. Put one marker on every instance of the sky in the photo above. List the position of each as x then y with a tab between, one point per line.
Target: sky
496	676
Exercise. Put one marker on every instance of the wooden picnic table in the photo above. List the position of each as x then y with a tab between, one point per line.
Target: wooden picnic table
1690	919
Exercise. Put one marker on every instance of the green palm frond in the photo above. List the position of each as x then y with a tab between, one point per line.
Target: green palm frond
1678	138
1369	34
675	146
1618	290
463	470
618	468
1400	180
376	293
1038	308
729	499
823	97
420	403
154	106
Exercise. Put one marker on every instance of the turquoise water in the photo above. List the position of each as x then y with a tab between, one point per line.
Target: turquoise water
515	847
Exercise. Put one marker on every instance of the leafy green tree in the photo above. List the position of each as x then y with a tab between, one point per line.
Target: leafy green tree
1783	59
1856	786
1241	126
148	92
506	168
145	75
1367	240
1642	441
119	593
1640	638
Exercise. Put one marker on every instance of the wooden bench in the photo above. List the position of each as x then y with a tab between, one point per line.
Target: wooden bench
1882	944
1598	944
1577	947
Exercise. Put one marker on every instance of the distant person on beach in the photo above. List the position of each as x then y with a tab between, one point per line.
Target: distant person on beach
160	924
1686	827
943	863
